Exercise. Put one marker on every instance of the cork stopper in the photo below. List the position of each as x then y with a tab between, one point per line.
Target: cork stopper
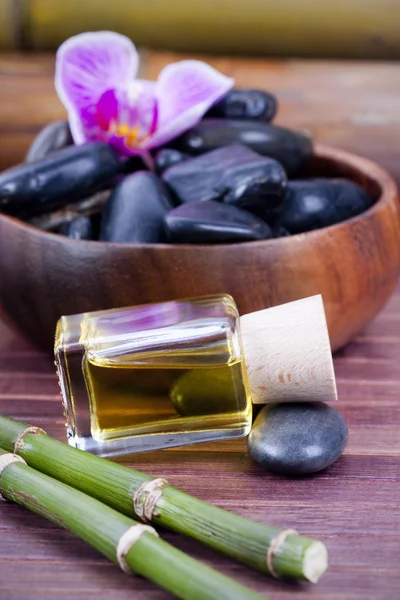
288	354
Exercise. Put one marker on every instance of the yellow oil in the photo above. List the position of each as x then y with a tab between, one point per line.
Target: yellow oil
129	400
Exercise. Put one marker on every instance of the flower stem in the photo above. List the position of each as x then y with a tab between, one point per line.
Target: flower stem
260	546
148	160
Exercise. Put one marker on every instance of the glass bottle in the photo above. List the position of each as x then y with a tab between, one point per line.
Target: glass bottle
168	374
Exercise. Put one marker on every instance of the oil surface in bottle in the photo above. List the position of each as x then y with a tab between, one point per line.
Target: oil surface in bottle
133	400
153	376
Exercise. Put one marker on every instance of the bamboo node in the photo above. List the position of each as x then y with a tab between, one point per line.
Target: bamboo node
129	539
274	547
18	441
5	461
146	497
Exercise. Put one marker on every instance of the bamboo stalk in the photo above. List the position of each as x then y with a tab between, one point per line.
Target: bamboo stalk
333	28
102	527
281	553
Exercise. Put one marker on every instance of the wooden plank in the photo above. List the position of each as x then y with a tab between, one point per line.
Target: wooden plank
316	520
55	581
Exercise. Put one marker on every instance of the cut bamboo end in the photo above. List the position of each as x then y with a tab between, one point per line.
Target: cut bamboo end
315	561
288	354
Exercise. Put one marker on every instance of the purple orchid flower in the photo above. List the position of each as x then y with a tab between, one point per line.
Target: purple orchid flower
95	80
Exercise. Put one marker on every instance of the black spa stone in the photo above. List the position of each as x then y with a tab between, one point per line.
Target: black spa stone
245	104
315	203
79	228
235	175
167	157
135	210
292	149
258	186
131	164
278	231
208	222
60	178
55	136
297	438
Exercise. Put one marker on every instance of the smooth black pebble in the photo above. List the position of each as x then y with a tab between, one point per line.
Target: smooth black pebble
131	164
207	222
278	231
292	149
235	175
55	136
297	438
245	104
315	203
79	228
258	186
167	157
135	210
62	177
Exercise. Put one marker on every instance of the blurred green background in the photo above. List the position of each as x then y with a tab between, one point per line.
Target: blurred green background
295	28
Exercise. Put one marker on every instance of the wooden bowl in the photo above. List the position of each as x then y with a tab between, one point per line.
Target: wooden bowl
354	265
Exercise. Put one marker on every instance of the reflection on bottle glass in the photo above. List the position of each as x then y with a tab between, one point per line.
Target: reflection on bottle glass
153	376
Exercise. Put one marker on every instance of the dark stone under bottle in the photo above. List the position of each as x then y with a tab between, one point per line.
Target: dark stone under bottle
297	438
291	148
62	177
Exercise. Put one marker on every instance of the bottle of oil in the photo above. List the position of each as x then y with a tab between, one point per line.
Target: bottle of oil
174	373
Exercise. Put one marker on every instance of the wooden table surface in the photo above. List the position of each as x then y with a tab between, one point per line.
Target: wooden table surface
354	506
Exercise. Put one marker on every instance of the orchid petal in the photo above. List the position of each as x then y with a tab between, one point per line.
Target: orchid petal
95	79
87	66
185	91
173	128
107	109
76	127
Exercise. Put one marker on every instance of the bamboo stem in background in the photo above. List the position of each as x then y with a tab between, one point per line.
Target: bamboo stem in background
102	527
252	543
332	28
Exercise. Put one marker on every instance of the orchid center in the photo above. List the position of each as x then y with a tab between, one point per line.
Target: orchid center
131	116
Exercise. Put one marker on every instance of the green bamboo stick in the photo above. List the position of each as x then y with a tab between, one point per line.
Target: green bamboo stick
102	527
267	549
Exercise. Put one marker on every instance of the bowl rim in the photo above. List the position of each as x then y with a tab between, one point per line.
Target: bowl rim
370	168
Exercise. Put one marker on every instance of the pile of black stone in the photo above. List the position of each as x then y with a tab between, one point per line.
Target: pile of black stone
232	178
